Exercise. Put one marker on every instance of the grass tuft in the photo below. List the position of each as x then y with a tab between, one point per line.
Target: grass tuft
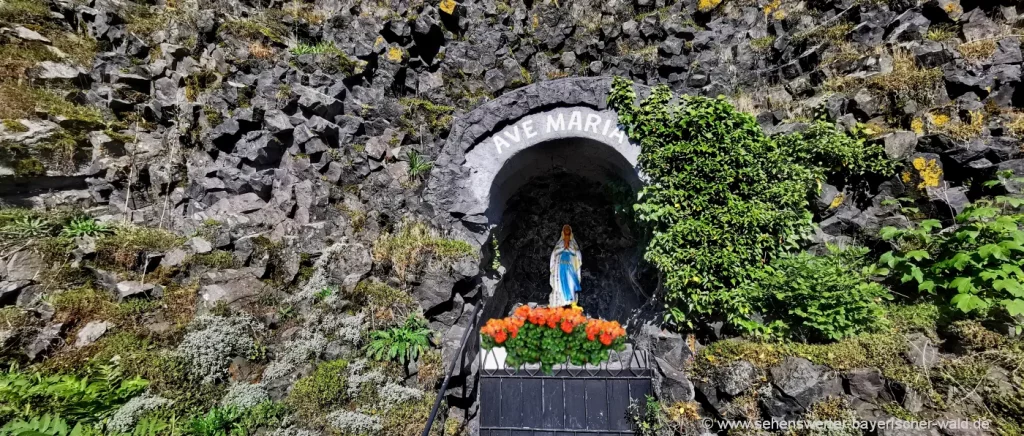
416	246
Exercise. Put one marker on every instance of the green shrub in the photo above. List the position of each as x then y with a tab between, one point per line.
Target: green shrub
815	298
723	199
380	295
420	112
318	392
975	266
84	303
29	167
400	344
219	421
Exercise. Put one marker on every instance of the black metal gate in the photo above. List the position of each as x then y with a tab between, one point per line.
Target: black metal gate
572	401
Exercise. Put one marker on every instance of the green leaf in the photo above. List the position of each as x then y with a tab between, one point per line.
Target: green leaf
928	225
1009	285
968	302
918	255
1014	307
991	250
962	284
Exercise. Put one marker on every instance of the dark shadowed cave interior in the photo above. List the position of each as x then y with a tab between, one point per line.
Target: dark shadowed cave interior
586	185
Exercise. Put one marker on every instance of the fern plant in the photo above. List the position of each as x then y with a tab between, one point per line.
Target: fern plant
47	425
219	421
401	344
86	399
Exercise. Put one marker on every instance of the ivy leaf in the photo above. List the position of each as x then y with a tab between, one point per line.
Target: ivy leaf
918	275
918	255
1009	285
960	260
1014	307
888	259
1011	245
1011	268
962	284
991	250
968	302
928	286
928	225
888	233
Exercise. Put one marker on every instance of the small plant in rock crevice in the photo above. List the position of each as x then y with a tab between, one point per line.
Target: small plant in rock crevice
402	344
418	165
414	246
85	227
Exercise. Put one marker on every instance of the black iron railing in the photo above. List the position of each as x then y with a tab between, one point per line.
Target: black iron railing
472	331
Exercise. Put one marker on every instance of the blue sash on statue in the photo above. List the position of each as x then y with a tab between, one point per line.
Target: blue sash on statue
567	275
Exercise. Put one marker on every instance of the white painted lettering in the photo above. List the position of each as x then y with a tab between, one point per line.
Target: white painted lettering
575	120
592	121
552	126
607	123
498	143
528	129
618	133
509	135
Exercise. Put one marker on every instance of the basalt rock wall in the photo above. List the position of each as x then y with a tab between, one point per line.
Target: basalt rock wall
309	123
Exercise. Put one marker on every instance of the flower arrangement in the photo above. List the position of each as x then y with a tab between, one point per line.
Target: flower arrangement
549	335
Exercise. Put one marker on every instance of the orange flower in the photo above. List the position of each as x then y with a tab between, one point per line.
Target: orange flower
567	326
564	318
522	312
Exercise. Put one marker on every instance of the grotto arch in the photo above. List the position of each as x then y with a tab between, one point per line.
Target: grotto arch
544	155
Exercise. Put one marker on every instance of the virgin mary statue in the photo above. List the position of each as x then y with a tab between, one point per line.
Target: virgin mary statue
565	270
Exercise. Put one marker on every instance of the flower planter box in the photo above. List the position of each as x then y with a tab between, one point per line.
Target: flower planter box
493	360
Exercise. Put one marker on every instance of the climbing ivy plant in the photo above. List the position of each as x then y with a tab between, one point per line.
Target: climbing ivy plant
722	198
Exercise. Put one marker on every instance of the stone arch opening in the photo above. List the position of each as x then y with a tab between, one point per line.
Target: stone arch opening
583	183
519	167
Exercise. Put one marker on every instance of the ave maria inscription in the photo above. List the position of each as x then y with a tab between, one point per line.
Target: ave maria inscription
559	124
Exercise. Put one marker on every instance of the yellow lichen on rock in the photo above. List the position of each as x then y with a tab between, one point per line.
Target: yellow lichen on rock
939	120
395	54
929	171
917	126
837	201
448	6
707	5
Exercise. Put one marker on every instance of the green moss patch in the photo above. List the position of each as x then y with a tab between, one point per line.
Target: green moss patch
320	391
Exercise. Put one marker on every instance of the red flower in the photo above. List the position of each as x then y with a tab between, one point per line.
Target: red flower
500	337
606	339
